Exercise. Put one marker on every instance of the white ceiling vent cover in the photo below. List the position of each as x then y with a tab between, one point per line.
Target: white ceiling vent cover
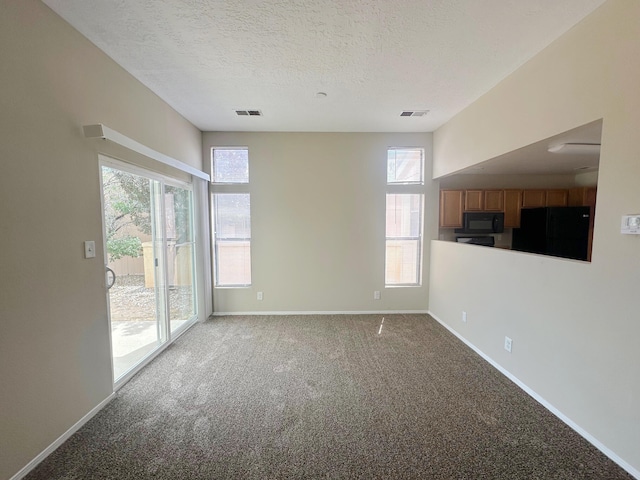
249	113
414	113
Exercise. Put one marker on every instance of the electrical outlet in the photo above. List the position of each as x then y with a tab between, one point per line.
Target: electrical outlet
464	317
260	296
507	344
376	295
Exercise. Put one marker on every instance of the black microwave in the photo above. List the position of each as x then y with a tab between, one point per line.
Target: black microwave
482	222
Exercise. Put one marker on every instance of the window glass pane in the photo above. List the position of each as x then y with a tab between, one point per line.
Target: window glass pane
230	165
405	165
403	215
180	255
233	263
401	266
403	239
232	234
232	215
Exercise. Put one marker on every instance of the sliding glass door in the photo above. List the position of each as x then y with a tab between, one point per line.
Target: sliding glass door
180	255
149	244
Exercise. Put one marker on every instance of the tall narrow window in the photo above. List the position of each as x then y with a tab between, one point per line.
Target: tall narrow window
404	216
231	217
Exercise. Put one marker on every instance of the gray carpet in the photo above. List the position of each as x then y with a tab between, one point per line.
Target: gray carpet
323	397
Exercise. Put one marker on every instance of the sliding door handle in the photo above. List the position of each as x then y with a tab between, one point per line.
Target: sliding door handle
111	278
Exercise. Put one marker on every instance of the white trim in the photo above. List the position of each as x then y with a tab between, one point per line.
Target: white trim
62	438
325	312
577	428
103	161
104	132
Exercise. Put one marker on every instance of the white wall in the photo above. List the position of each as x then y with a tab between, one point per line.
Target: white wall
54	341
317	206
575	326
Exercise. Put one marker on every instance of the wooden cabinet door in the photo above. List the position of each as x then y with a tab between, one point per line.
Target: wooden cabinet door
534	198
494	200
556	198
473	201
590	197
575	197
512	207
451	208
582	197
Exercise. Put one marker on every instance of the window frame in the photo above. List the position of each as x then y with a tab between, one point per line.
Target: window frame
409	238
213	166
400	183
407	188
221	188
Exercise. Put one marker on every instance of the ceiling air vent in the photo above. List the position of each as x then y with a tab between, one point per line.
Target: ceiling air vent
414	113
250	113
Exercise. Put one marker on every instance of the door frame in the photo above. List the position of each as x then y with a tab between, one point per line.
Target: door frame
109	161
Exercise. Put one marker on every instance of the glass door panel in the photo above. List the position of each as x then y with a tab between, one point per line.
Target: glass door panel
132	211
178	204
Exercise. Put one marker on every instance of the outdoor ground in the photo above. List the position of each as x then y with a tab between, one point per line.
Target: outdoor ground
134	329
131	301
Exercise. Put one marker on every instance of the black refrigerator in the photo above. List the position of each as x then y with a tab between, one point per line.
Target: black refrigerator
557	231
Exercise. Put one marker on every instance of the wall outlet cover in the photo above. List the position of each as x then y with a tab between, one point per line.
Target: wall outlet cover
89	249
507	344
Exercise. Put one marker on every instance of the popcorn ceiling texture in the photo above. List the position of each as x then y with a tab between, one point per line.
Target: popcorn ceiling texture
374	58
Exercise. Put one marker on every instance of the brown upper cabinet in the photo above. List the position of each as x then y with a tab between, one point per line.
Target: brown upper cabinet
510	201
512	207
556	198
493	200
534	198
451	202
473	201
544	198
582	196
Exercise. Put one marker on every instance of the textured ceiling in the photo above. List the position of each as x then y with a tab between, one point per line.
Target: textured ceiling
373	58
535	159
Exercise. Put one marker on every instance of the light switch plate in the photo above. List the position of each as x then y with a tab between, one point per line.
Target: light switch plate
89	249
630	224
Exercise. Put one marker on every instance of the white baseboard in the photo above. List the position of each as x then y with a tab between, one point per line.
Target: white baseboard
324	312
62	438
583	433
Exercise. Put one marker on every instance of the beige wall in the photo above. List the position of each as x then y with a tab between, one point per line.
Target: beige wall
574	325
317	206
54	341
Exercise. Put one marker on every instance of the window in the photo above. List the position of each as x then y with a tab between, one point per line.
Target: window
231	207
404	216
405	166
232	239
230	165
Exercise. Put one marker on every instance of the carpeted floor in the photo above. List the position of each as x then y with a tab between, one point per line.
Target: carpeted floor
269	397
